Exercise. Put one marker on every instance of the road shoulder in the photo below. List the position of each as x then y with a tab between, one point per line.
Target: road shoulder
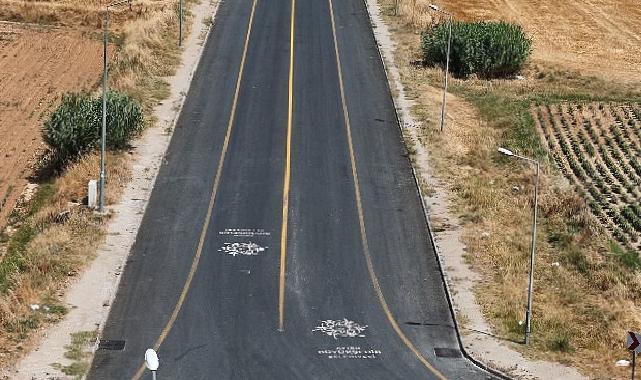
89	309
476	336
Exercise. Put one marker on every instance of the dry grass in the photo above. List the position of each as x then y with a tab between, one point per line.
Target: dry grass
594	37
586	297
53	235
149	52
56	237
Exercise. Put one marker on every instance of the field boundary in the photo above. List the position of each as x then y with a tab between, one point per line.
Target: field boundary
104	272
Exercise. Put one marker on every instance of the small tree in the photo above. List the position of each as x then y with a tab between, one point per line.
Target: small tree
74	127
488	49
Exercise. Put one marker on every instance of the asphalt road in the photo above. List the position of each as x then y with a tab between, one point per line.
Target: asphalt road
284	238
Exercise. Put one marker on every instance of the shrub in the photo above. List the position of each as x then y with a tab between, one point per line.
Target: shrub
74	127
561	343
488	49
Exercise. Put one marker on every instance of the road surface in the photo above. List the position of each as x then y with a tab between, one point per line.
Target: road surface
284	238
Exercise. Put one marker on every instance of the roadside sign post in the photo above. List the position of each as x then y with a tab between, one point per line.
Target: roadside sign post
151	361
633	344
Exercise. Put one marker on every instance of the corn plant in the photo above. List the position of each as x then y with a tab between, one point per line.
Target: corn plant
74	127
488	49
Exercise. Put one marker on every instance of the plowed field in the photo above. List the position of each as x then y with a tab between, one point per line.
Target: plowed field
37	66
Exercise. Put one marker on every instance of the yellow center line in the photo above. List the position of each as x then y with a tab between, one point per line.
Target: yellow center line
361	218
286	179
203	233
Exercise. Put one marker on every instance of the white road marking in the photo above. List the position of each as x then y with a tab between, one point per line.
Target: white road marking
245	232
350	352
243	249
341	328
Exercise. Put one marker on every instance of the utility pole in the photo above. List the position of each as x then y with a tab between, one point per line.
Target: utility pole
180	23
447	62
103	131
530	292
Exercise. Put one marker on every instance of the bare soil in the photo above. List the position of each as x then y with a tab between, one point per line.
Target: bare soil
37	65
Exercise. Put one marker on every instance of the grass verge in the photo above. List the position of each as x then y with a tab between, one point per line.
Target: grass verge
79	352
587	287
52	236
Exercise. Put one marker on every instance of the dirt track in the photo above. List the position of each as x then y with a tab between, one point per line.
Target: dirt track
37	66
600	38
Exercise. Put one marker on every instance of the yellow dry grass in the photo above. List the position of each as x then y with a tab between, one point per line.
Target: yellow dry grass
585	297
55	237
600	38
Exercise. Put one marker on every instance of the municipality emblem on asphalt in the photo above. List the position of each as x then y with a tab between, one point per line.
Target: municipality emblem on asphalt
243	249
342	328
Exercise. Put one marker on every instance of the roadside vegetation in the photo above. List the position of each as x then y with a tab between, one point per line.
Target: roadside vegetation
79	352
74	127
583	130
487	49
51	234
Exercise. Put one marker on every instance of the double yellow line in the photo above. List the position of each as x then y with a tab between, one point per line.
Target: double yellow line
285	201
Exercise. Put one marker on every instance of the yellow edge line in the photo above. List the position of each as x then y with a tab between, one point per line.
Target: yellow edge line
286	180
361	218
203	233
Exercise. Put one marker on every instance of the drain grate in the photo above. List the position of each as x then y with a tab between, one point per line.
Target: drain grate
111	345
447	352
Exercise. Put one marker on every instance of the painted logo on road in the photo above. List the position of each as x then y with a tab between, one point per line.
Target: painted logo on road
342	328
243	249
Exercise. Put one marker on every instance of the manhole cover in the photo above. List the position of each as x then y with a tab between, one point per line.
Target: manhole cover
447	352
112	345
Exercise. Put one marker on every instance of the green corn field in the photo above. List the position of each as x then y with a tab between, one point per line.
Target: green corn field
74	127
487	49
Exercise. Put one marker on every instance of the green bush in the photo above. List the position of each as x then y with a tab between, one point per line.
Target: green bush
488	49
74	127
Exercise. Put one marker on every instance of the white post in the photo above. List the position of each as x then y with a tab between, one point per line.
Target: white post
92	193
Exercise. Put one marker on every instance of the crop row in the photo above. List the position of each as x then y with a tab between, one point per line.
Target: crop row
598	148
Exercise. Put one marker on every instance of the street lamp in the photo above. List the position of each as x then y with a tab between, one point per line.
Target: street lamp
151	361
528	314
447	60
103	132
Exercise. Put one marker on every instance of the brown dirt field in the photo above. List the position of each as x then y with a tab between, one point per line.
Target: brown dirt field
37	65
600	38
596	38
